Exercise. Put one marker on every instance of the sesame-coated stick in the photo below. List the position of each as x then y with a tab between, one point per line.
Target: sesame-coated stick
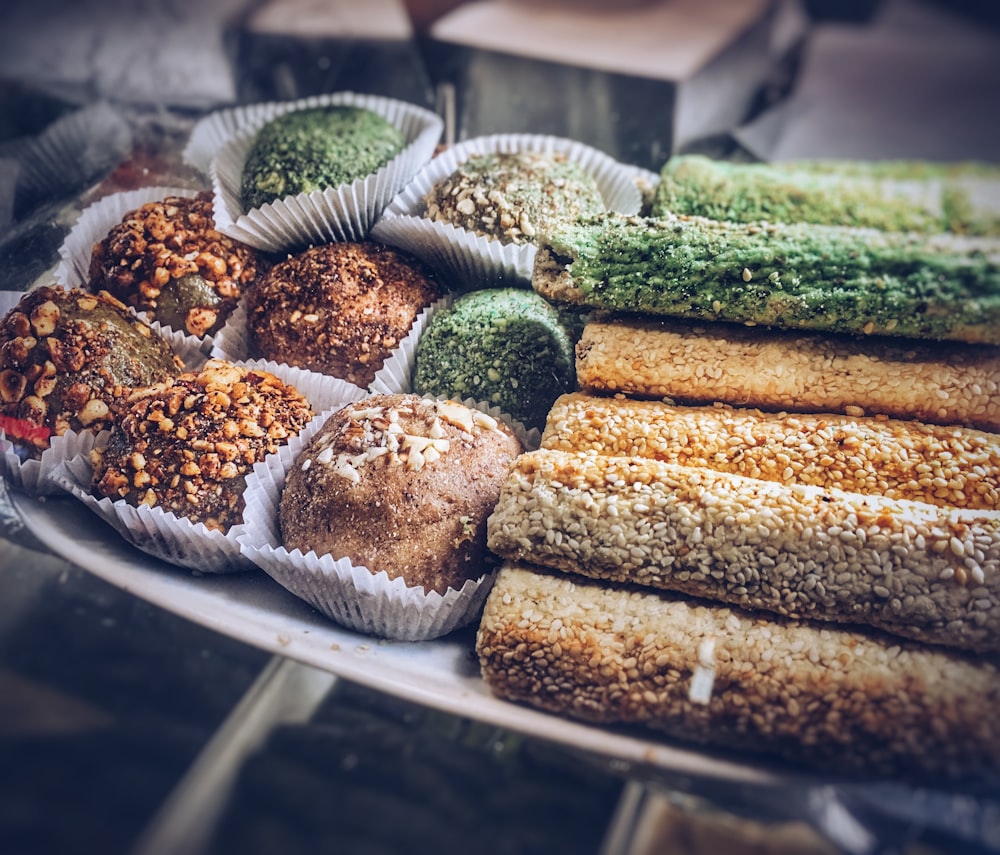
825	698
941	465
941	383
910	568
781	275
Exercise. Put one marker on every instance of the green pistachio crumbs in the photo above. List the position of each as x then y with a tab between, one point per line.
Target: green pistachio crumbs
308	150
891	195
793	276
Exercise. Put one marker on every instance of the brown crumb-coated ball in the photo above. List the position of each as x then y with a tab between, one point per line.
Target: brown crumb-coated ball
167	259
338	309
67	360
402	484
187	446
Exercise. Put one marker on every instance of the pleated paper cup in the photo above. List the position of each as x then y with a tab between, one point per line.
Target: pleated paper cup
477	260
341	213
93	225
173	538
351	595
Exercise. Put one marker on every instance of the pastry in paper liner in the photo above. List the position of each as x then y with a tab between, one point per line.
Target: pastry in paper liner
465	257
345	212
93	225
394	376
176	539
33	477
349	594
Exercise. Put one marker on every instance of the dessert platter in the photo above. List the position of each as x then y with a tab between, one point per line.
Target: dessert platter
661	467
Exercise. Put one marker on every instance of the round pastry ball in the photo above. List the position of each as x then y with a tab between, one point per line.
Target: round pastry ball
507	347
187	446
167	259
307	150
67	360
513	196
402	484
338	309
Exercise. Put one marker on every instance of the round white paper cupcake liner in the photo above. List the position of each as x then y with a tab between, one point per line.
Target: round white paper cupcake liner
93	225
175	538
348	594
476	260
32	476
344	212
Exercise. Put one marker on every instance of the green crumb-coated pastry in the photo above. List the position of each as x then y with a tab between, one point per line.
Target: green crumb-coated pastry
893	195
511	196
308	150
507	347
793	276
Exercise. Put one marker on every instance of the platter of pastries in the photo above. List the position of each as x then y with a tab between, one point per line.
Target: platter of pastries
696	470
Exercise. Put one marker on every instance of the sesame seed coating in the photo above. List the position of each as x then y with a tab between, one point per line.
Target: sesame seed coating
825	698
187	446
783	275
890	457
910	568
943	383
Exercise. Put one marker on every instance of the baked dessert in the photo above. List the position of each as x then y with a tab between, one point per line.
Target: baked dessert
941	465
838	701
339	309
186	446
946	383
67	359
513	196
892	195
401	484
306	150
167	259
783	275
914	569
504	346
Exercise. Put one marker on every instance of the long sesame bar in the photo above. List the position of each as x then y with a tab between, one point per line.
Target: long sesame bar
834	700
949	466
943	383
894	195
782	275
910	568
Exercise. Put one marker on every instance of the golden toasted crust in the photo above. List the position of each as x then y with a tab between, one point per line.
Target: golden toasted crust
948	466
187	446
401	484
941	383
339	309
829	699
910	568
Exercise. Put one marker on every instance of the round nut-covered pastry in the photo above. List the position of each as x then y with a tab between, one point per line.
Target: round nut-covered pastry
307	150
338	309
402	484
187	446
512	196
67	360
167	259
508	347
